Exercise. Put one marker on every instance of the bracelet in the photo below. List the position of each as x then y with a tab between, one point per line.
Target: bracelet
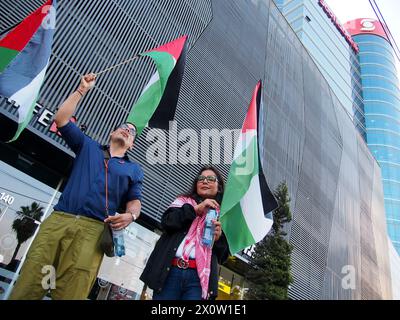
79	91
133	216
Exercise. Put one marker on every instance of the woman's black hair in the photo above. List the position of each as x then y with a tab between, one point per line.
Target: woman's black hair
221	186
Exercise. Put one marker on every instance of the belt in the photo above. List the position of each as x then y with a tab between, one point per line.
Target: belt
77	216
182	264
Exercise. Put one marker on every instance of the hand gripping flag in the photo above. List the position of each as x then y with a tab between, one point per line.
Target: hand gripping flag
24	57
157	104
246	207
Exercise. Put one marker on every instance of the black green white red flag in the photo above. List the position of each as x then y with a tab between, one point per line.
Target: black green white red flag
247	205
24	56
157	104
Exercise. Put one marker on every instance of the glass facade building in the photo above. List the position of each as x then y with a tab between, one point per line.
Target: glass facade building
338	227
381	91
331	48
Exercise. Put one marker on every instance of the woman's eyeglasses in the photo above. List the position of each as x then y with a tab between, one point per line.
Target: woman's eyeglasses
208	178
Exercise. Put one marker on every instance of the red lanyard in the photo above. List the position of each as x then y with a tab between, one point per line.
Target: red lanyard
106	167
106	155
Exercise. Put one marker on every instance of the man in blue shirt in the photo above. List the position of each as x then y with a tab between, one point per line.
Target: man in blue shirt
68	242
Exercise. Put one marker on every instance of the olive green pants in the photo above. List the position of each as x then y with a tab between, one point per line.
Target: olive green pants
67	246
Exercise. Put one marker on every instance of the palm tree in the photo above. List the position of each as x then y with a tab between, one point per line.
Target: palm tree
24	226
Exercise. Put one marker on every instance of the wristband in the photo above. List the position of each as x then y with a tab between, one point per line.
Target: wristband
133	216
80	92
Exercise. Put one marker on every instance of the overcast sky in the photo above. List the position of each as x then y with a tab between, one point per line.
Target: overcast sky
347	10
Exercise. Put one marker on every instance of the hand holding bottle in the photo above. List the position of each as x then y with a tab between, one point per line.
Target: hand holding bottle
118	237
217	229
209	228
203	206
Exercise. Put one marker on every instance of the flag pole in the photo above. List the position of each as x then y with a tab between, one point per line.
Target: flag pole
117	65
8	29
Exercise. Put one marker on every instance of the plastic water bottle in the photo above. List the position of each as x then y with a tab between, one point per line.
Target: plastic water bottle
208	235
119	242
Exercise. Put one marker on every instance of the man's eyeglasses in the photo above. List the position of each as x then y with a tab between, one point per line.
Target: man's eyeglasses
208	178
132	130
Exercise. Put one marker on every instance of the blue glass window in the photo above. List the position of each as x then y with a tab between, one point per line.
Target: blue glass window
374	47
381	108
376	58
382	153
371	38
380	82
381	95
380	70
383	137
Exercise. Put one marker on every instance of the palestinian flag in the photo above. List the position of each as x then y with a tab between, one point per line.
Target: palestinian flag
246	207
157	104
24	57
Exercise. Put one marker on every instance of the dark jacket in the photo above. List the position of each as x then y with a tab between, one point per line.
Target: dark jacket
176	223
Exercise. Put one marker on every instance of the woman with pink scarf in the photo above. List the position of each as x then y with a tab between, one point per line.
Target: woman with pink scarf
180	266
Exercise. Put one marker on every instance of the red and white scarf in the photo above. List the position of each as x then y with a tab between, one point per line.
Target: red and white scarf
194	239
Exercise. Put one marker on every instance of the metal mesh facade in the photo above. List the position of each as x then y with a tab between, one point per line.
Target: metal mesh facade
310	142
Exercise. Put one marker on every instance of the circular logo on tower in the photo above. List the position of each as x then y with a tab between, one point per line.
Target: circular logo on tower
367	25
